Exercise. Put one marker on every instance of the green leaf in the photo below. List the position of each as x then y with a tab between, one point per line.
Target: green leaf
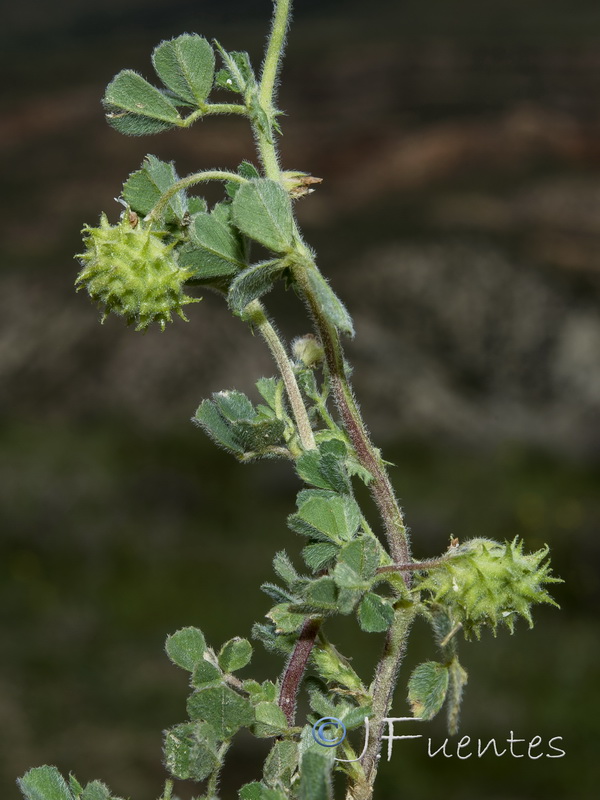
319	555
285	569
260	433
238	75
186	65
315	777
205	674
270	390
96	790
329	303
286	621
234	405
362	556
270	720
334	668
281	763
258	791
186	648
44	783
74	785
334	518
190	751
273	642
427	689
323	469
214	250
375	615
262	210
320	594
135	107
224	709
208	418
235	654
144	188
246	170
252	283
457	680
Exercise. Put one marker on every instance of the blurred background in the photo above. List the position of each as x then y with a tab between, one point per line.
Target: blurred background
459	219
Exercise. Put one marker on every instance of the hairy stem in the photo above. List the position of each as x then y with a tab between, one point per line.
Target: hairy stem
296	666
255	313
272	62
369	457
185	183
382	691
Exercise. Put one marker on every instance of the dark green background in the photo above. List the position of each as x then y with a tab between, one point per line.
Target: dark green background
457	134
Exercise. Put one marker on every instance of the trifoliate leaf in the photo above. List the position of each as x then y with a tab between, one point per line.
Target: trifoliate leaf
186	648
190	751
262	210
223	708
144	188
44	783
427	689
235	654
186	65
135	107
375	615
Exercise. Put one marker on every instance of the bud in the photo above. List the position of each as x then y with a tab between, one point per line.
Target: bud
486	583
297	184
308	350
130	271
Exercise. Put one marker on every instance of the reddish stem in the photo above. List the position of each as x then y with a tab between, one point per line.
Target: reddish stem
295	668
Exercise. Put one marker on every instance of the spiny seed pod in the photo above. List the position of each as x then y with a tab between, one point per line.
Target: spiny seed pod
130	271
486	583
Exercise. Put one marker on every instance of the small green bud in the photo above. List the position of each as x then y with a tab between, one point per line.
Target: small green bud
130	271
308	350
486	583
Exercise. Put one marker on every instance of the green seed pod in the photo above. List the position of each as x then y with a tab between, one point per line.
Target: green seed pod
130	271
486	583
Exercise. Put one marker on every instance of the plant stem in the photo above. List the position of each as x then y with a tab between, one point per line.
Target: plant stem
185	183
382	692
271	64
255	313
294	671
369	457
210	109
